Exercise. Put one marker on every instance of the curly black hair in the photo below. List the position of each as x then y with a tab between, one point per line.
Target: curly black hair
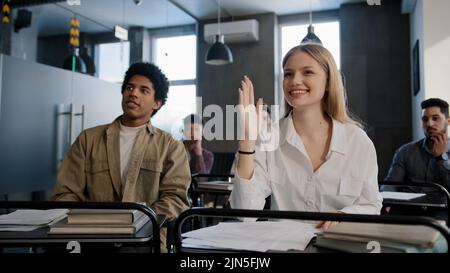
434	102
154	74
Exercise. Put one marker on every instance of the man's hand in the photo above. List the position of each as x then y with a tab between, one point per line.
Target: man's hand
198	147
327	224
189	145
440	144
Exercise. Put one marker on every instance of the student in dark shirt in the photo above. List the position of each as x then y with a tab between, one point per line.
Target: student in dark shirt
426	160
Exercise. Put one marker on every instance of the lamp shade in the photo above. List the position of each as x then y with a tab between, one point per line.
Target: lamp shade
219	53
311	38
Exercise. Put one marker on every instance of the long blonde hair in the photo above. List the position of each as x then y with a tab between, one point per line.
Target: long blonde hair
334	101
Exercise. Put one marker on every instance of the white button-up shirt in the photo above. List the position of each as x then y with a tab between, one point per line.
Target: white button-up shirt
346	182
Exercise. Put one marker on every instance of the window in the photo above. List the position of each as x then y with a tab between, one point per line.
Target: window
327	32
113	61
180	103
176	56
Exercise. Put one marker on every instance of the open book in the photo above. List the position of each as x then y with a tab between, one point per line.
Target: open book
103	216
64	227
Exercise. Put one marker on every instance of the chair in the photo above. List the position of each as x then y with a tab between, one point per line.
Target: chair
299	215
222	163
435	200
197	192
148	235
221	170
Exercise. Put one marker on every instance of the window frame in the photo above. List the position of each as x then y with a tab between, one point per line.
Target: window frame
97	56
292	20
187	30
156	34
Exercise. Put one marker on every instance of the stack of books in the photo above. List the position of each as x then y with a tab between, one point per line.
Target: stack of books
100	221
382	238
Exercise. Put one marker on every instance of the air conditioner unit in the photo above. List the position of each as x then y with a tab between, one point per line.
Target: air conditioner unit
234	32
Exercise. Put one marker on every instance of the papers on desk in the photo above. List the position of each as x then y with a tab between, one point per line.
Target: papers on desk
254	236
400	195
28	219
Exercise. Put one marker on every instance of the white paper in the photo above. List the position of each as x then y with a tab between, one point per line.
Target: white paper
254	236
32	217
400	195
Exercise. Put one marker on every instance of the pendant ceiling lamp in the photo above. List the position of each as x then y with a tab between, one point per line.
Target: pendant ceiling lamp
311	37
219	53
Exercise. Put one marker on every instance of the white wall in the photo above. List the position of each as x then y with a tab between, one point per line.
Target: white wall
416	25
430	23
437	45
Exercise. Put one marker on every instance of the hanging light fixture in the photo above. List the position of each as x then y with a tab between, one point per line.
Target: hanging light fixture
311	38
219	53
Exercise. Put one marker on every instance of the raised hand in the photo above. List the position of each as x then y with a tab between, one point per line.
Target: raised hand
249	115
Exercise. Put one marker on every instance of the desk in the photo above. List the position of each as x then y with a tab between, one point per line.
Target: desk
200	192
296	215
434	200
437	199
147	236
197	192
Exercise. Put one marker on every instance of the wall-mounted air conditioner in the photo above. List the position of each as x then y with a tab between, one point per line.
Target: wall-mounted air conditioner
234	32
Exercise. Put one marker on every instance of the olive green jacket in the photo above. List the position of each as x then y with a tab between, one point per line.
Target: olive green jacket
158	173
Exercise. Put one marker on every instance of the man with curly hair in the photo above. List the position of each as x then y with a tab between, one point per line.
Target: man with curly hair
129	160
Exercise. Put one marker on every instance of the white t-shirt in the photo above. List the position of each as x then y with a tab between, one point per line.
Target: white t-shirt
127	139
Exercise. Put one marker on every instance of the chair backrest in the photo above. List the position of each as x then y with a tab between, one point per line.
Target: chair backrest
222	163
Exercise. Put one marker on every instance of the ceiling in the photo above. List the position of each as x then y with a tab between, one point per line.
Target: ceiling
207	9
102	15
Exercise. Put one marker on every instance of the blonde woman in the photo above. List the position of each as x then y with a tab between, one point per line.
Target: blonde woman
324	161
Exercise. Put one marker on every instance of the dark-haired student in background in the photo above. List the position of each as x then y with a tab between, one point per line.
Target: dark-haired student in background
200	159
426	160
